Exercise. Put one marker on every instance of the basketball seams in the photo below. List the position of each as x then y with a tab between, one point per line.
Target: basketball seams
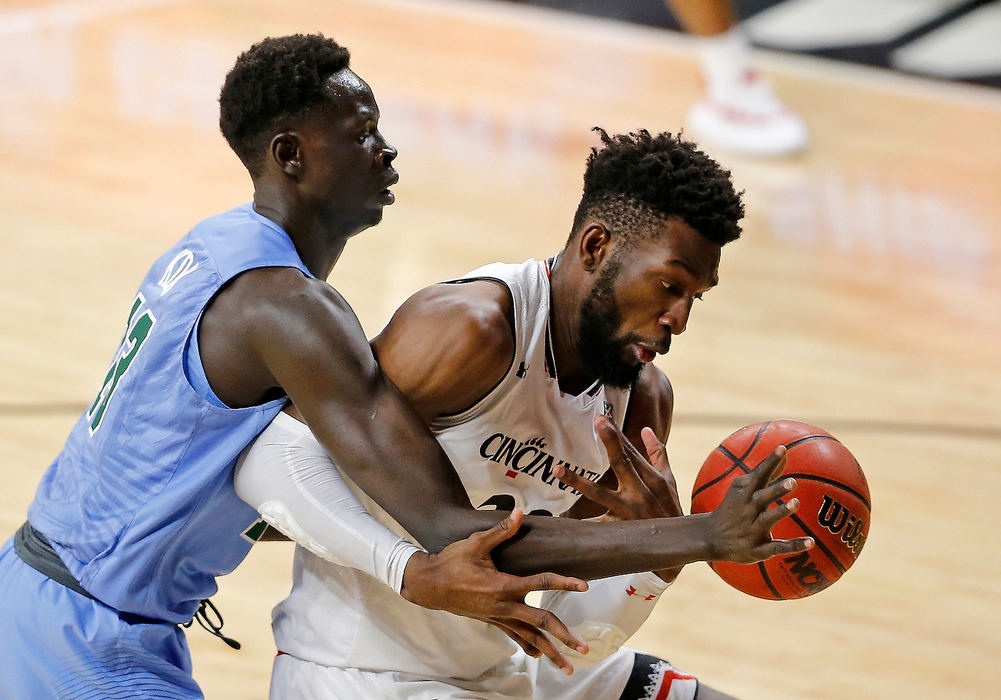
810	438
757	439
818	542
768	581
831	482
822	470
737	463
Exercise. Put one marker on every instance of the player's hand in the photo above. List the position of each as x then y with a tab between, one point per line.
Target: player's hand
645	487
741	525
463	580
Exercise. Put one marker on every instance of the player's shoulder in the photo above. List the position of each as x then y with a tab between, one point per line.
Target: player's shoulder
283	290
447	346
651	401
281	307
653	385
276	282
480	311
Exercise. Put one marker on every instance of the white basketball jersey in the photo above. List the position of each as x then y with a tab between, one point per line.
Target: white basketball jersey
504	449
505	446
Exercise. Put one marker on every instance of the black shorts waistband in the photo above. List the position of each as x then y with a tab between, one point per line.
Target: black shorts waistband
35	550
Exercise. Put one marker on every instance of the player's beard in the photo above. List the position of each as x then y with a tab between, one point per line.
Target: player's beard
601	348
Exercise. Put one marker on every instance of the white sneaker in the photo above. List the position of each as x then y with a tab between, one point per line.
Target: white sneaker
747	119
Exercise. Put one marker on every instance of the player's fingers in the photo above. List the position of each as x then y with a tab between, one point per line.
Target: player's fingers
527	646
656	451
778	547
610	436
764	496
769	468
504	530
618	449
656	470
590	490
541	620
767	519
540	641
548	581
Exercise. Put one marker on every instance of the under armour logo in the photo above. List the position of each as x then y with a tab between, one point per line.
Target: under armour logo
608	410
522	370
632	591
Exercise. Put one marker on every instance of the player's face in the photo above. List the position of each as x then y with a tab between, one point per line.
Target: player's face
642	296
349	168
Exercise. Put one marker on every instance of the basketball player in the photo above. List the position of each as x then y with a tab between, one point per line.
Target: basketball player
137	515
521	371
739	111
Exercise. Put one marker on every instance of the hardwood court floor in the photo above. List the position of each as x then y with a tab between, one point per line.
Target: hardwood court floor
863	297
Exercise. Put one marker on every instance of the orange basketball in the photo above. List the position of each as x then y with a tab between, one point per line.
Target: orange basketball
834	507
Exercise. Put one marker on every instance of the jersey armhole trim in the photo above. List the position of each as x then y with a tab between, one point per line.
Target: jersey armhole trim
192	366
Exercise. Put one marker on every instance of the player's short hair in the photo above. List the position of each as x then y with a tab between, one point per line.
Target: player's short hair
273	80
636	181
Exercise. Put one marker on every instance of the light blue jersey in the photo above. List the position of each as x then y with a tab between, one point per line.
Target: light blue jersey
140	504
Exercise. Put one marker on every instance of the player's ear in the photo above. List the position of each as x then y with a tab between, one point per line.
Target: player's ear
286	151
593	245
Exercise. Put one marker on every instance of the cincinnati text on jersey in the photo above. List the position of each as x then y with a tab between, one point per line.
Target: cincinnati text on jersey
529	457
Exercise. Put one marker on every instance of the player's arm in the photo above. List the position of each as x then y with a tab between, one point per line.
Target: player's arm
613	609
293	482
648	492
290	480
274	329
446	348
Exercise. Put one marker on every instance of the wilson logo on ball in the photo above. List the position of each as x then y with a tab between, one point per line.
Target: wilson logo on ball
836	518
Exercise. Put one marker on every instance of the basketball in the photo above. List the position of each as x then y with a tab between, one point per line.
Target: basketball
834	506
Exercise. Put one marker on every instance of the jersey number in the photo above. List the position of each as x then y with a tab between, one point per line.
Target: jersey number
505	501
136	332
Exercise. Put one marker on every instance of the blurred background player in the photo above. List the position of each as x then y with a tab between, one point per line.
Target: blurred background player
739	112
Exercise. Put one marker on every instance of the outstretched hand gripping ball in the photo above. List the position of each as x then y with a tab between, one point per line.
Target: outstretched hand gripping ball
834	506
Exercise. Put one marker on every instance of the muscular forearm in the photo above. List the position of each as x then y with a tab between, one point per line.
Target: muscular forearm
434	508
437	513
392	456
590	549
377	439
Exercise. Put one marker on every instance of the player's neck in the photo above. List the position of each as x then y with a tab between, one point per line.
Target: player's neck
319	242
563	313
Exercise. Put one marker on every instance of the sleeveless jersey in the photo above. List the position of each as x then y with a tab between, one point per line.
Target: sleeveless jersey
139	504
504	449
